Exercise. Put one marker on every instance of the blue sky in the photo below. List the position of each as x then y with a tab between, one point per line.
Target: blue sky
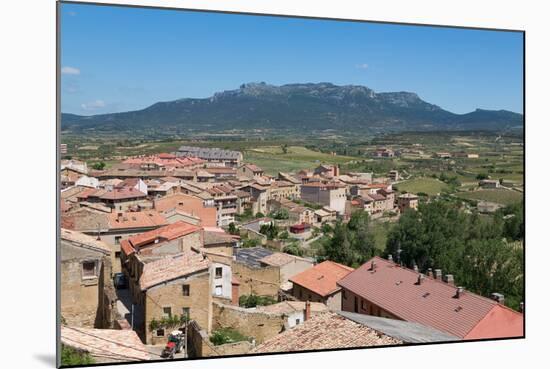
119	59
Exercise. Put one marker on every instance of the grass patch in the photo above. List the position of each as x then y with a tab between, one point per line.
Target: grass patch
227	335
430	186
505	197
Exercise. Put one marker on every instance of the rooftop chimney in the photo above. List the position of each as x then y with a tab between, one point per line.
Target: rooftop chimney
438	274
450	279
459	292
373	265
415	268
420	278
430	273
390	257
307	311
521	307
498	297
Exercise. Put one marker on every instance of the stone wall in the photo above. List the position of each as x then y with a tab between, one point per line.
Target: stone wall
264	281
83	299
199	345
258	325
171	295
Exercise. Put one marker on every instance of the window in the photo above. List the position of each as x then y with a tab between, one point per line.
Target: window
117	240
160	332
219	272
117	254
218	290
185	290
167	312
186	312
89	269
297	321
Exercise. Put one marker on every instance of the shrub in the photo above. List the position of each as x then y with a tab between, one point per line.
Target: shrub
70	356
250	301
293	249
250	242
226	335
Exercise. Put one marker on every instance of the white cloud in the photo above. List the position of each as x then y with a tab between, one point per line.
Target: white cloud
362	66
94	105
70	70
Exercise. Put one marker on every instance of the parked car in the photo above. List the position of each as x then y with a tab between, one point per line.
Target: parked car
120	281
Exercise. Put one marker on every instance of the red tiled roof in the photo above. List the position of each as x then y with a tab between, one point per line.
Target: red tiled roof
377	197
166	160
166	233
322	278
166	156
328	186
501	322
189	204
325	331
432	303
254	168
122	193
112	344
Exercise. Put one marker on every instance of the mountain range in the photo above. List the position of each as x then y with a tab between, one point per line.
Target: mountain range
304	106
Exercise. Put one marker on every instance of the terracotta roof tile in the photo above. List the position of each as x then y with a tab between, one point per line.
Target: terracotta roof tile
322	278
432	303
166	233
84	240
112	344
325	331
190	204
172	267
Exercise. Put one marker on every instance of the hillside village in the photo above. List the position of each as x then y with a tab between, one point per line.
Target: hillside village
197	253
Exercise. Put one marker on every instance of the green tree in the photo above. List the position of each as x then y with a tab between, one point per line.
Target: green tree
280	214
472	248
482	176
250	242
271	230
232	229
98	166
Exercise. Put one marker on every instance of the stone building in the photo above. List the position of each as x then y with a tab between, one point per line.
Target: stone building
331	195
174	285
407	201
87	297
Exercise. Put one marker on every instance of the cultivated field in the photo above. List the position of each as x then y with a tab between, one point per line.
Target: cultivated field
429	186
500	196
273	159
